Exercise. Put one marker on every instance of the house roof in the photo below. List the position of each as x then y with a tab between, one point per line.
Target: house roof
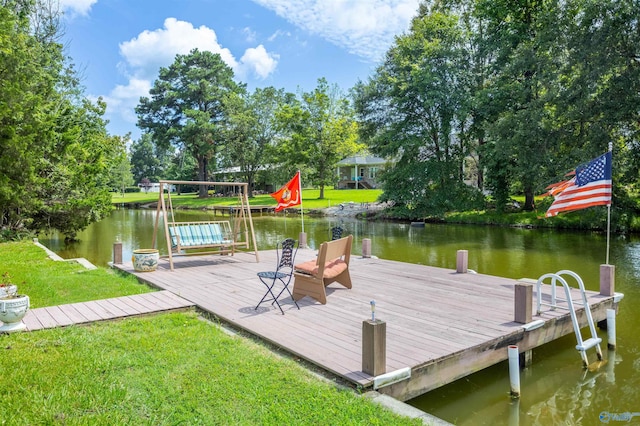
362	160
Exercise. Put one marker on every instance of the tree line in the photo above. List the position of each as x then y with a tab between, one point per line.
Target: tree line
199	122
55	154
478	97
511	94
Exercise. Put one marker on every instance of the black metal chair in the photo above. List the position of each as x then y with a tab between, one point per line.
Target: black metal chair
286	252
336	232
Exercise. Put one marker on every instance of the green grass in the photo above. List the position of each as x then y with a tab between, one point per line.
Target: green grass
48	282
165	369
310	198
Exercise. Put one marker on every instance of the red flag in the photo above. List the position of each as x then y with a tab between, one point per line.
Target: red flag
289	195
591	186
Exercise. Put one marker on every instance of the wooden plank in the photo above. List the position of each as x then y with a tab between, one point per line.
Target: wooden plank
134	303
45	318
60	317
160	303
87	311
72	312
147	306
31	321
125	306
112	310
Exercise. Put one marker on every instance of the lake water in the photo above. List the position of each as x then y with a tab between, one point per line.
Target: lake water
555	389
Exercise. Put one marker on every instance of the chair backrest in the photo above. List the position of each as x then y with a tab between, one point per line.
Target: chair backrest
336	232
287	250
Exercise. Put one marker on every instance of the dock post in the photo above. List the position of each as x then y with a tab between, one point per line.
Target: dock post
462	261
607	280
611	329
302	238
117	253
366	247
514	371
523	302
374	344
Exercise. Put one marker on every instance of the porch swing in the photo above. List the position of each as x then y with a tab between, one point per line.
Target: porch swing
207	237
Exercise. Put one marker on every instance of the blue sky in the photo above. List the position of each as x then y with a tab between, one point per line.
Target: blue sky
118	46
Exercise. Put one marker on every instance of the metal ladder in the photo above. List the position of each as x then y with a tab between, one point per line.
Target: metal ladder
583	345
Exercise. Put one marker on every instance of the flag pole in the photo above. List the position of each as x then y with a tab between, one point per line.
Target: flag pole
301	210
609	209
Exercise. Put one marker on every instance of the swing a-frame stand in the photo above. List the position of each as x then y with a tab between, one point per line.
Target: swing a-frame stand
207	237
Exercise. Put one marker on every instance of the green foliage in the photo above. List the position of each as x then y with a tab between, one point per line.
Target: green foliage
188	107
310	198
319	130
56	156
526	90
147	160
120	176
254	130
410	111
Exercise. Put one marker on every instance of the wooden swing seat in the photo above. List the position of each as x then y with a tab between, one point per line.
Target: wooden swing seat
194	235
218	236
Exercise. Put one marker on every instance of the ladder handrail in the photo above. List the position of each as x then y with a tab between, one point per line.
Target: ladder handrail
587	309
558	277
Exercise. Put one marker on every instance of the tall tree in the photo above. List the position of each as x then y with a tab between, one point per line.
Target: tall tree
147	160
253	130
320	130
414	110
187	107
120	175
54	148
526	38
600	101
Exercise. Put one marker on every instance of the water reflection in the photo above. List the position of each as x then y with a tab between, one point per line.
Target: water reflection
555	389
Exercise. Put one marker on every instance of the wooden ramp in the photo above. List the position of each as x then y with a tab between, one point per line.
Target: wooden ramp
441	324
101	310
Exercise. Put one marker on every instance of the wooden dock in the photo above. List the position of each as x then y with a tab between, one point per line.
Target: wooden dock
442	324
101	310
229	210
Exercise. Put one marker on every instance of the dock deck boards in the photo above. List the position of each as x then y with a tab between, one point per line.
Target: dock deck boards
442	324
100	310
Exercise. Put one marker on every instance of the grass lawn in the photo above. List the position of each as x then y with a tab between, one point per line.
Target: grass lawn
173	368
310	198
48	282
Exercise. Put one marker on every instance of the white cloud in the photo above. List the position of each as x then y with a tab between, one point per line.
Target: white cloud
77	7
279	33
258	60
150	50
123	99
363	27
249	35
144	54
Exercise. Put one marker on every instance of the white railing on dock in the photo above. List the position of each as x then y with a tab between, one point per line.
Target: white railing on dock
583	345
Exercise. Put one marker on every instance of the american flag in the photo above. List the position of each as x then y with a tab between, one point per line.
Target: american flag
591	186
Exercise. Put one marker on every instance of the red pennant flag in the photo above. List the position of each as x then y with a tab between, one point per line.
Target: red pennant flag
289	195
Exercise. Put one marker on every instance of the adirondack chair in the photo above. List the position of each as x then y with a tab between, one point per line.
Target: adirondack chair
331	265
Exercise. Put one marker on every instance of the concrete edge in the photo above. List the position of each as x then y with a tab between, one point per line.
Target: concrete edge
404	409
53	256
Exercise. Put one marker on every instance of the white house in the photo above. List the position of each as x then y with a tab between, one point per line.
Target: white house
155	187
